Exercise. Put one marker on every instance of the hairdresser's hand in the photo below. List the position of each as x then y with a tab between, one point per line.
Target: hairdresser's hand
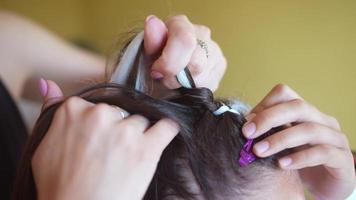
174	44
321	151
91	152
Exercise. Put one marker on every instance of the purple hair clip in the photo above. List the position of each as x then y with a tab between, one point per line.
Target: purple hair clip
246	154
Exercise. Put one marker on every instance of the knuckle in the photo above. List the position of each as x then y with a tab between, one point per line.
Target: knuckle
299	103
67	108
284	91
335	123
71	102
187	39
100	109
282	88
98	113
180	17
204	30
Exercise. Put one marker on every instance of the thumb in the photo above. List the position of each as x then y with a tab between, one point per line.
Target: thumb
155	35
50	92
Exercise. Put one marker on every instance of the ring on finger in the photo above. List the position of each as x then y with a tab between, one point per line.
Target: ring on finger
204	45
123	113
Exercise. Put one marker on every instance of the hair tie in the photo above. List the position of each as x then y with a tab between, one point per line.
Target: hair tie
246	154
224	108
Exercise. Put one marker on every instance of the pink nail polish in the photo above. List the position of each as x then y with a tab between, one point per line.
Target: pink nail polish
249	129
285	162
261	147
156	75
43	87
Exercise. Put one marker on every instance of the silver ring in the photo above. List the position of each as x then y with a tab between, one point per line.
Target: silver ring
122	113
204	46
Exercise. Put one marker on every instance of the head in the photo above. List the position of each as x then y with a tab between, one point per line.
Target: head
202	162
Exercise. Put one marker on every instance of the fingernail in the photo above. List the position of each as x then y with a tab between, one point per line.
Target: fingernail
149	17
250	116
261	147
43	87
156	74
285	162
249	129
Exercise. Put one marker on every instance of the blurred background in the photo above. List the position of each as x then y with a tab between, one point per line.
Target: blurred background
308	44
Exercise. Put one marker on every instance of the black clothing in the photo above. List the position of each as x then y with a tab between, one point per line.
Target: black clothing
13	135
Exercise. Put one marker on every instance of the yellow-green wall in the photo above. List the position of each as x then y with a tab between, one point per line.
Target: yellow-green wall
307	44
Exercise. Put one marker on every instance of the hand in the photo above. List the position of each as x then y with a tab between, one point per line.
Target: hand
175	42
91	152
322	153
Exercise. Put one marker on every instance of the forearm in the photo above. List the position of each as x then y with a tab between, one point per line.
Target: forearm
32	51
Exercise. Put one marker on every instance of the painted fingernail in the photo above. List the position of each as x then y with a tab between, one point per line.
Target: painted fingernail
250	116
261	147
156	74
43	87
149	17
249	129
285	162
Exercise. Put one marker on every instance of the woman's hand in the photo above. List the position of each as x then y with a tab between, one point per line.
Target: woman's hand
92	152
175	42
322	153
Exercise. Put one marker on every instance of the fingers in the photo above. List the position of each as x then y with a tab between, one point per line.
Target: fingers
179	48
155	35
292	111
136	122
279	94
50	92
103	114
161	134
314	156
198	62
177	42
215	71
302	134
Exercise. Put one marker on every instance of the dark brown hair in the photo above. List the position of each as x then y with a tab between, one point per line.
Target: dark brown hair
205	152
209	144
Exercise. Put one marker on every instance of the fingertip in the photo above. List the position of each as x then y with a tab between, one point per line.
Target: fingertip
155	35
285	162
149	17
249	129
54	90
53	94
174	125
43	87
